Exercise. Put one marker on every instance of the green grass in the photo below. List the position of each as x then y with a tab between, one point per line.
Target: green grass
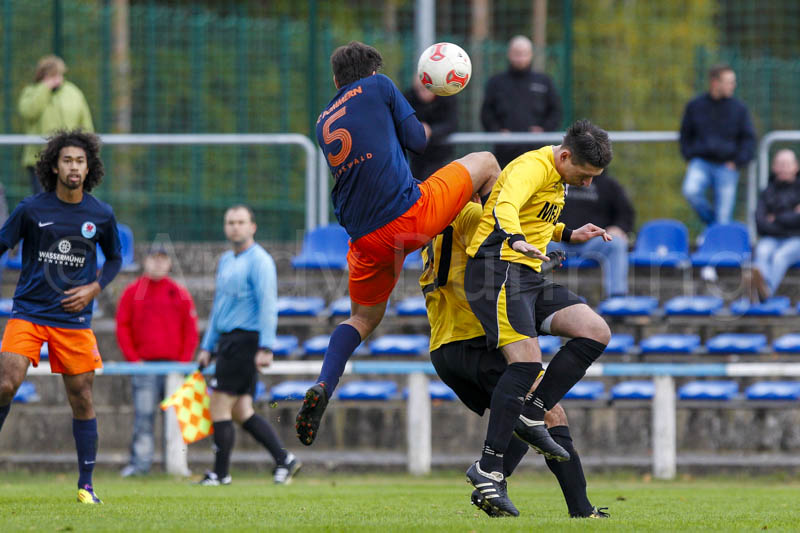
389	503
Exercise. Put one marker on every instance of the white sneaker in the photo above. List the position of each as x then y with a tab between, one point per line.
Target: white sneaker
284	473
212	480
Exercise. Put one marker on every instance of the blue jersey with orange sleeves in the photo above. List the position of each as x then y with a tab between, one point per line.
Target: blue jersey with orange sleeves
363	133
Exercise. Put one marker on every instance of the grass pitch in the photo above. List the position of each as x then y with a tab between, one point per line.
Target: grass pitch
389	503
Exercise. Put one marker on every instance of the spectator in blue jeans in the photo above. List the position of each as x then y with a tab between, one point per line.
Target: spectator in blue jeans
606	204
717	139
156	321
778	223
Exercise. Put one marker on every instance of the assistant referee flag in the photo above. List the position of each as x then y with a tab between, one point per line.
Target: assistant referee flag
191	403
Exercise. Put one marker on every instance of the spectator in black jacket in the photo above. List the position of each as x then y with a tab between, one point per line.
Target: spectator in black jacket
605	204
717	139
520	99
778	223
439	117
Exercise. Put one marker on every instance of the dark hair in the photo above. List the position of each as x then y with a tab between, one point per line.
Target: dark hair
588	144
354	61
48	158
717	70
246	208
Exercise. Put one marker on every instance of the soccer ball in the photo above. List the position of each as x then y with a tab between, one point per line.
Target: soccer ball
444	68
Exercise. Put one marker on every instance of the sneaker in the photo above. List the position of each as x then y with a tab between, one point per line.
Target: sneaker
599	512
492	488
535	435
310	414
87	495
212	480
481	503
284	473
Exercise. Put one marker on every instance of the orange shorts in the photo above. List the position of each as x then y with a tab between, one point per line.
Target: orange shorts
71	351
376	259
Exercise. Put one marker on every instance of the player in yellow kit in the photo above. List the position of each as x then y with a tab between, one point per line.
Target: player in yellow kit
461	358
514	302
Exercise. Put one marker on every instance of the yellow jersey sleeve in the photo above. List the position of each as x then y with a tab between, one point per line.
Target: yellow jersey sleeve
523	180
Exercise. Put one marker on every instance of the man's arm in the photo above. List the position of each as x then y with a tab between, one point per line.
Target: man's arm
686	133
518	187
765	221
34	100
746	140
124	326
112	249
212	329
11	232
265	284
189	326
410	131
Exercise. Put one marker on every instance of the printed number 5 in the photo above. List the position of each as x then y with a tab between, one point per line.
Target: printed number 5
337	135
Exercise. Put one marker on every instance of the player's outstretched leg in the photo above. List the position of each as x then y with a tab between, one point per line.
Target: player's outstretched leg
13	368
344	341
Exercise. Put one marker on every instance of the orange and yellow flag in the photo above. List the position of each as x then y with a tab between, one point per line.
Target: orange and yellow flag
191	403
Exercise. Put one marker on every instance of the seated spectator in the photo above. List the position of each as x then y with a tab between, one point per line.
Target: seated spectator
156	321
605	204
778	224
439	117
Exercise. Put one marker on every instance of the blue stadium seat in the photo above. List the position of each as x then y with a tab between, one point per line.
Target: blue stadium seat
261	392
620	343
661	243
414	306
6	304
775	306
126	248
549	344
290	390
316	345
324	247
694	305
438	391
670	343
633	390
285	345
586	390
368	390
629	306
789	343
44	352
724	245
737	343
773	390
26	393
300	306
709	390
400	345
340	307
413	261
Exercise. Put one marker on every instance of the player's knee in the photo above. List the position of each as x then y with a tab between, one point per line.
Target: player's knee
599	331
7	389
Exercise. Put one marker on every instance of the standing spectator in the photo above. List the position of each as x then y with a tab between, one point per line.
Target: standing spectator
242	327
606	204
520	99
156	321
50	104
717	138
778	223
439	117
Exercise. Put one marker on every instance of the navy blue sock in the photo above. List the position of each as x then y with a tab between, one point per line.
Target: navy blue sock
3	413
85	433
344	341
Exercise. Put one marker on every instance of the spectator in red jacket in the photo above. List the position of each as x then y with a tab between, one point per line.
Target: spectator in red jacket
156	321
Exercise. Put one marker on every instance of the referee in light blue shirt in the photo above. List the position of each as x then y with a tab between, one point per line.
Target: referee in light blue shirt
242	327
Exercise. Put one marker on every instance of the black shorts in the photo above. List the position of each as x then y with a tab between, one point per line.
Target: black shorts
236	372
512	300
471	370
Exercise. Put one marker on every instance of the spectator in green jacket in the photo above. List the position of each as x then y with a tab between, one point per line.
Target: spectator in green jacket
50	104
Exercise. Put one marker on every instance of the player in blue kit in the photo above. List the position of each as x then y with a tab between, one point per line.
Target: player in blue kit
364	132
61	228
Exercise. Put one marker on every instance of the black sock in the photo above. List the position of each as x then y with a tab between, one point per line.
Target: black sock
570	475
566	369
260	429
513	456
223	445
506	405
3	413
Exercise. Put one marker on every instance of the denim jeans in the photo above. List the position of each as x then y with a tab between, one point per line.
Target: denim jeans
612	256
702	174
148	391
774	256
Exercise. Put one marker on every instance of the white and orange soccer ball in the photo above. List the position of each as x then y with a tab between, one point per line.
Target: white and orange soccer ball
444	68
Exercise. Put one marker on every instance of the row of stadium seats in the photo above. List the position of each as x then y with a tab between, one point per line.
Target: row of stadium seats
584	390
663	243
621	343
696	306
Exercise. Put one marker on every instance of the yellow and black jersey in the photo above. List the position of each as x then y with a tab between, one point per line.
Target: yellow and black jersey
442	280
526	201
